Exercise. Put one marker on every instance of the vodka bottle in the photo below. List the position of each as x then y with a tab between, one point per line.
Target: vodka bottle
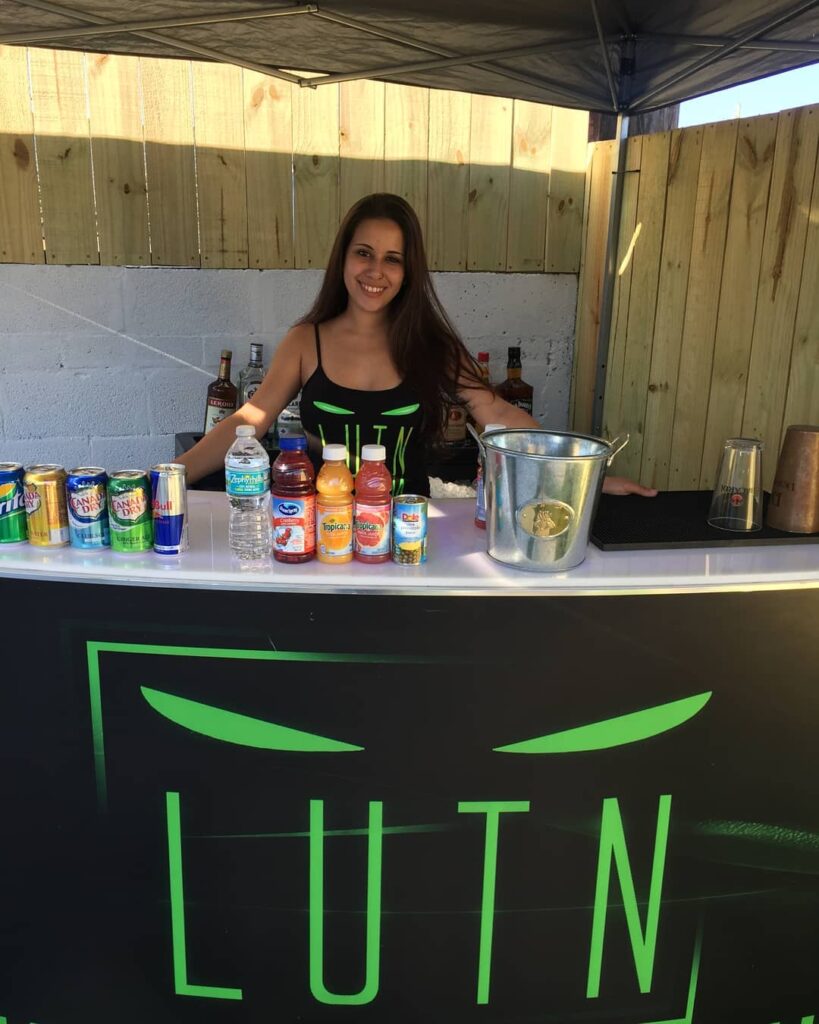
252	375
247	483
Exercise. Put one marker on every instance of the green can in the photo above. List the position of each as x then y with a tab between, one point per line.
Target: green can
129	511
13	528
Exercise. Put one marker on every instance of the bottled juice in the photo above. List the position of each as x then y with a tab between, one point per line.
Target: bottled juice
293	502
334	507
371	521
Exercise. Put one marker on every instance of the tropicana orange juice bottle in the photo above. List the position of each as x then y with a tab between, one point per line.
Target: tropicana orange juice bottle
334	507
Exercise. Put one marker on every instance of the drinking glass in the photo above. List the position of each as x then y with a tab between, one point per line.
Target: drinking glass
737	500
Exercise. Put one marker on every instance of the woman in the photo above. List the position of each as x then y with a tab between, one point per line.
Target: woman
376	358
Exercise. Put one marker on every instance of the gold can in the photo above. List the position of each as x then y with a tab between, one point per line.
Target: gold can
46	511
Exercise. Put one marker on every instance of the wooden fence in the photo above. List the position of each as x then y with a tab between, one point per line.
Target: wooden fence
125	160
715	329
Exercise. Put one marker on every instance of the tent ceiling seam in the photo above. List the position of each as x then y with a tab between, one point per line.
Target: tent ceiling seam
606	58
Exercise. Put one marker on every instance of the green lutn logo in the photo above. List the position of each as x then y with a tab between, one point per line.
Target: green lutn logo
244	730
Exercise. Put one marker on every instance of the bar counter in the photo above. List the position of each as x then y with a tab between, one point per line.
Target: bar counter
448	794
458	565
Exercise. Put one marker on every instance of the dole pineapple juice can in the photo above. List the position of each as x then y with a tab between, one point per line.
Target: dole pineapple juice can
46	512
12	504
129	511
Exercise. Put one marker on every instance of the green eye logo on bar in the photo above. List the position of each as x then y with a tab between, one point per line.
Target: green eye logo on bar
243	730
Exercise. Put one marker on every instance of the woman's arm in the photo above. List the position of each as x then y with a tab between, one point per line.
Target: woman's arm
487	407
280	385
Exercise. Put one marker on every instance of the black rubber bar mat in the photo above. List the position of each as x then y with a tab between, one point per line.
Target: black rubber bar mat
674	519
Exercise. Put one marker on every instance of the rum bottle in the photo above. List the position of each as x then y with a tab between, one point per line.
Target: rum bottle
514	390
221	400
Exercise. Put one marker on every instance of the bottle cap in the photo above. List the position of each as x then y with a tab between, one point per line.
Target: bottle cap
334	453
374	453
492	426
293	444
483	357
514	351
245	430
226	353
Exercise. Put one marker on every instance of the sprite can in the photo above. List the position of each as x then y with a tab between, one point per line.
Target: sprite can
12	504
129	511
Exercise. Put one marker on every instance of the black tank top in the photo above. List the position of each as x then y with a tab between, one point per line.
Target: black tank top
332	414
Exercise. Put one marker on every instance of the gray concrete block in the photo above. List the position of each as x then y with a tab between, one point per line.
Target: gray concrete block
121	350
185	302
71	403
138	452
43	298
19	352
485	304
64	451
281	297
176	401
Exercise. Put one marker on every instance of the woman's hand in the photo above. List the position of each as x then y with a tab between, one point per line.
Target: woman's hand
622	485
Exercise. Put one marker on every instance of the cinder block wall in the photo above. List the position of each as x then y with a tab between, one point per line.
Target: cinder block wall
103	365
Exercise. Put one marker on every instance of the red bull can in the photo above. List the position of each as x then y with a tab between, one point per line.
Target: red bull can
85	493
12	504
169	505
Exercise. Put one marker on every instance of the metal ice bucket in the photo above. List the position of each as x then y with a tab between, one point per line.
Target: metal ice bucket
542	489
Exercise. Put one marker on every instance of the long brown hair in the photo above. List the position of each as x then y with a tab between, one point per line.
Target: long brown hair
427	350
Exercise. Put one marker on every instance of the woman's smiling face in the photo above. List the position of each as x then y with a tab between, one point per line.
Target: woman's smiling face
374	264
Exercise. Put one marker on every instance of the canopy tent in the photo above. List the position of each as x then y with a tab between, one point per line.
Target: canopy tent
628	56
622	56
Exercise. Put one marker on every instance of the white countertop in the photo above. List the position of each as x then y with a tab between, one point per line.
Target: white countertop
457	564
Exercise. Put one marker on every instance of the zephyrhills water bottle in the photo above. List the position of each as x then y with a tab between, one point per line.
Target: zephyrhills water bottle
247	483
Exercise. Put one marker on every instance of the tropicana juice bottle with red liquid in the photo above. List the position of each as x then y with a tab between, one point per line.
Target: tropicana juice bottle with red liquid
293	502
372	517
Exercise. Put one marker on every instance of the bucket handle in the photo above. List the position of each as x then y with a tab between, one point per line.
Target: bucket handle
478	440
617	445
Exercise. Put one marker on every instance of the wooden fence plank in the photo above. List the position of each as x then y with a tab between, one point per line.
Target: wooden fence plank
740	281
672	291
448	179
802	403
627	240
643	301
529	185
115	116
592	269
21	234
361	141
169	159
64	155
269	170
315	164
783	251
406	145
220	164
570	132
488	214
700	322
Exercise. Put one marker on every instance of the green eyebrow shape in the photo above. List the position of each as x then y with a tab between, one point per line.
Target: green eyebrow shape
613	732
404	410
336	410
231	727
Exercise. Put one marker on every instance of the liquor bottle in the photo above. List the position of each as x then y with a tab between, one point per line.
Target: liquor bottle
514	390
252	375
455	428
221	401
483	366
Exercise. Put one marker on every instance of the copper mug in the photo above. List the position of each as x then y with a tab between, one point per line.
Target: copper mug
794	504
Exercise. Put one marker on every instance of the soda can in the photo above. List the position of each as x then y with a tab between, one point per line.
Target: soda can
129	511
169	504
44	493
12	504
409	529
85	492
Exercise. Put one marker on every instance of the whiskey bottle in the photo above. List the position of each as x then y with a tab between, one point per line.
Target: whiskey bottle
252	375
514	390
221	400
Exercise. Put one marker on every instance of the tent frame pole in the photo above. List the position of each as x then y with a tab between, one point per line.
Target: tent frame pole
609	277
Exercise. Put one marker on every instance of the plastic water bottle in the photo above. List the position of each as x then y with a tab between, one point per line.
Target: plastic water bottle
247	483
